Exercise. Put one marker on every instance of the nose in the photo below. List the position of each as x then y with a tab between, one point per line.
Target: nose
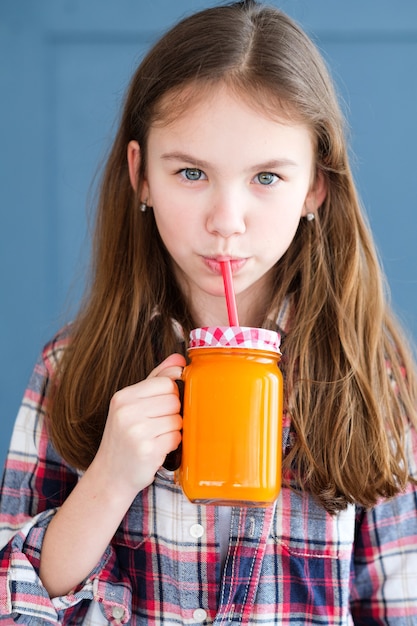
226	215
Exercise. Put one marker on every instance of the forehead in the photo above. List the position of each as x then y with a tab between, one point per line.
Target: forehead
220	120
183	99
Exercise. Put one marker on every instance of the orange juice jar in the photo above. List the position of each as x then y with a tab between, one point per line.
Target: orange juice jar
232	417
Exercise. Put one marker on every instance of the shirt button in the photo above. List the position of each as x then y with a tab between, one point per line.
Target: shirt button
196	531
200	614
117	612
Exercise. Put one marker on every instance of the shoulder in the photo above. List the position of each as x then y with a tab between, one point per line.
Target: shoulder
52	351
47	365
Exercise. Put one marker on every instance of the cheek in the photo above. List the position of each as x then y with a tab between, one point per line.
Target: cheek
173	230
165	228
276	241
279	230
173	216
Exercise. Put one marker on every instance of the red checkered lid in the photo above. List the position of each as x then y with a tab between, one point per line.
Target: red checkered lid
236	337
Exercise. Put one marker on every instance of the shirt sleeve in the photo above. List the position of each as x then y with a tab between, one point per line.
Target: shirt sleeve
384	574
36	481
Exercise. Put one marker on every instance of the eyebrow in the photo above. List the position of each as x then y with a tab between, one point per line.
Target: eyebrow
187	158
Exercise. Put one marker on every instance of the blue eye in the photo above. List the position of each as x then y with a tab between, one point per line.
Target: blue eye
266	178
192	173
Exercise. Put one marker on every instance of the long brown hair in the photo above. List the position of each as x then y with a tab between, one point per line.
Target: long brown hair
346	390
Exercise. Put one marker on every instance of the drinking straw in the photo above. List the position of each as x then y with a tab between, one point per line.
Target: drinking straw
229	293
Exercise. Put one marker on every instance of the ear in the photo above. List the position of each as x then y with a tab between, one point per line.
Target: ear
133	161
317	194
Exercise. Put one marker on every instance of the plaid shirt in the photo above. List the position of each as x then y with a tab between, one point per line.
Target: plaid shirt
291	563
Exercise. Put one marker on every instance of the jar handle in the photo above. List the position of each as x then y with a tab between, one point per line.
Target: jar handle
173	458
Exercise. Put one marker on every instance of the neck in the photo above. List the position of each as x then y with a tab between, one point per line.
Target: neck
214	313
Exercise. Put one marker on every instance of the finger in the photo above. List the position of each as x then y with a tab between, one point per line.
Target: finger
167	443
157	427
155	390
161	436
171	440
160	406
172	367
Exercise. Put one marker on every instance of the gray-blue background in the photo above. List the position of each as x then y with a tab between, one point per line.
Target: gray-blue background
64	65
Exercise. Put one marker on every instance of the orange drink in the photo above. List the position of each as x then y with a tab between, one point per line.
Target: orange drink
232	417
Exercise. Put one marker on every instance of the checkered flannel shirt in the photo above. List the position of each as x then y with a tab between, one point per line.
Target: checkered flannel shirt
287	564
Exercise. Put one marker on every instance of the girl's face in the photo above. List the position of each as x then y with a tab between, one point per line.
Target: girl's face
225	182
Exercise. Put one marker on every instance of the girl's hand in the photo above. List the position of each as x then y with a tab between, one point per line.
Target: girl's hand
142	426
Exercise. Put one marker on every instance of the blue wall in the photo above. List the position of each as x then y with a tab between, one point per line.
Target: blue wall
63	70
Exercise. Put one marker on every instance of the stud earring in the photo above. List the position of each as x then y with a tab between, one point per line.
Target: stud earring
142	207
310	217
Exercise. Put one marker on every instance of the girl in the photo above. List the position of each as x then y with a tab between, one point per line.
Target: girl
230	146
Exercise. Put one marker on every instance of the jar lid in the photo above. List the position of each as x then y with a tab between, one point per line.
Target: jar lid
235	337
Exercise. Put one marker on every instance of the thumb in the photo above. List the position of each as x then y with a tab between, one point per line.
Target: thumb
172	367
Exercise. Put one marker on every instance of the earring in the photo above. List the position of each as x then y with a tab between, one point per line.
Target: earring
310	217
142	207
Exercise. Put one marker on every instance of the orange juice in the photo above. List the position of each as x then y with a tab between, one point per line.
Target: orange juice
232	421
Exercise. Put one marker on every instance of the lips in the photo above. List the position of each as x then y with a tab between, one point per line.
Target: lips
214	263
